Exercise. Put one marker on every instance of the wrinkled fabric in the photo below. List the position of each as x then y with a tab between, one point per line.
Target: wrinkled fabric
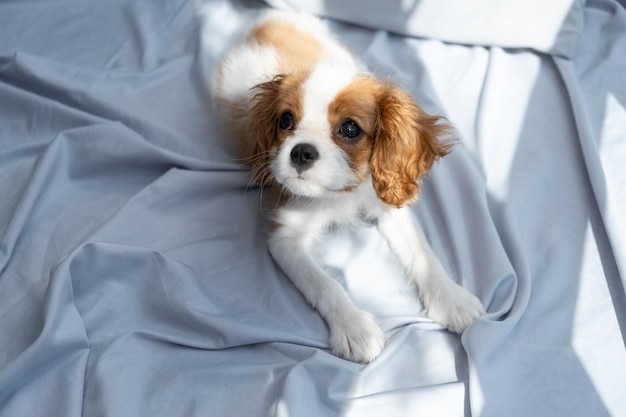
134	273
550	27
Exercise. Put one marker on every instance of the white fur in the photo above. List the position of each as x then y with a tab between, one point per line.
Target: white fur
321	203
244	67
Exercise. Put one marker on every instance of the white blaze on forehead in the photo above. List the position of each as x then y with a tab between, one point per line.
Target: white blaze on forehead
320	89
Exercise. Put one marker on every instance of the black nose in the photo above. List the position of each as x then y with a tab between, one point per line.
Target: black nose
303	155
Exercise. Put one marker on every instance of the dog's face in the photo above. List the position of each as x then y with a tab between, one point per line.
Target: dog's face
329	129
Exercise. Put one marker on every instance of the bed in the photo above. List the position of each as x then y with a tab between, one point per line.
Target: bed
134	273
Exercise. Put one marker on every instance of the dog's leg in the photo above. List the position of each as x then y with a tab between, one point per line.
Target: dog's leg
446	302
354	335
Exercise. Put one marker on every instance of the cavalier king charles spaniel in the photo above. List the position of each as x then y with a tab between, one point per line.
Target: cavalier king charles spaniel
339	146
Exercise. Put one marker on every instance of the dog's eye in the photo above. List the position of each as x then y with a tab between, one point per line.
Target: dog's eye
286	121
349	130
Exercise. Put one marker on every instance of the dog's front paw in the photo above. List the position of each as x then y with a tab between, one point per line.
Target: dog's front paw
455	308
355	336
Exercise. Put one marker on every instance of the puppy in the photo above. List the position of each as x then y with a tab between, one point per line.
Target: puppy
340	146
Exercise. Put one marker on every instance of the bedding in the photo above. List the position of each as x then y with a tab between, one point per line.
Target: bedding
134	273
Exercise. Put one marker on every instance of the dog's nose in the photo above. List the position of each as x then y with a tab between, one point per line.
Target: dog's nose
302	156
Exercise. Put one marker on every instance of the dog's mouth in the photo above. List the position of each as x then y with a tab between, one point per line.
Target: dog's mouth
301	174
301	186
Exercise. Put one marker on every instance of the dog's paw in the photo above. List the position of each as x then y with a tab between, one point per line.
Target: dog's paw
355	336
454	308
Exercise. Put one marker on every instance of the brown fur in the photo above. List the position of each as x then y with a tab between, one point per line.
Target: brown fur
400	141
406	146
271	100
357	102
295	48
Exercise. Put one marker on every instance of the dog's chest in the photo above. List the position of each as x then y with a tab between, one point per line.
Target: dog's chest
319	215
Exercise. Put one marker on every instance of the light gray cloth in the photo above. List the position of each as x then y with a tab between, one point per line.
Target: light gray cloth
134	273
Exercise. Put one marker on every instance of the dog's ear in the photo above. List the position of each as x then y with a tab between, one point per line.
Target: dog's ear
264	126
406	145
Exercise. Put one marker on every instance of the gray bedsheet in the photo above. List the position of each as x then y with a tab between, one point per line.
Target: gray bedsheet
134	273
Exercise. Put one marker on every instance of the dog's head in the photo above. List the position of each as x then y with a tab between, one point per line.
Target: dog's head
328	129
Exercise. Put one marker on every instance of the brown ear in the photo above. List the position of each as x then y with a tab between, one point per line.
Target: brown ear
405	148
263	127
